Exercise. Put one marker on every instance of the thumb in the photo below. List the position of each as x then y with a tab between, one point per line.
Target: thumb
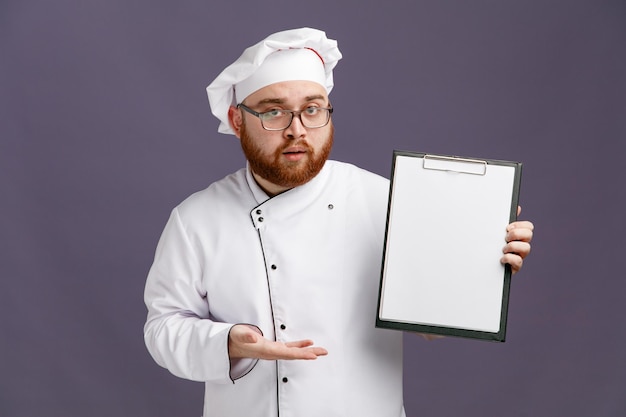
244	334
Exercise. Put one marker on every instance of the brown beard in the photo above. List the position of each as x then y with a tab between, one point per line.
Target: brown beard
282	173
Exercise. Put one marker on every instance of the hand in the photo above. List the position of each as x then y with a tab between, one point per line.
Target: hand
518	237
247	342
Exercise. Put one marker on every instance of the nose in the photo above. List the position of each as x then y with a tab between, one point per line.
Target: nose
296	129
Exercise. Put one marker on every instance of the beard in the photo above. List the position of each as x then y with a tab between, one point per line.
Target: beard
276	170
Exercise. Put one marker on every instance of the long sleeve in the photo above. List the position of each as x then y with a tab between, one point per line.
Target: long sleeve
179	333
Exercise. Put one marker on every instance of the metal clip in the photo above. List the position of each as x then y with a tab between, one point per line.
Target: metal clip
454	164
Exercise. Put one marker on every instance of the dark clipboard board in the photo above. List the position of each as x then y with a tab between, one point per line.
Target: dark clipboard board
446	220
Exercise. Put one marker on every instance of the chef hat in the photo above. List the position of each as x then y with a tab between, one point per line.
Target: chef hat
284	56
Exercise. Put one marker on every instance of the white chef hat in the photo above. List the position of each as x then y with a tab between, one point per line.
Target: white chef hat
284	56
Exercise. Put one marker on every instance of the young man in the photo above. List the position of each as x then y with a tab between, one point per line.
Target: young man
287	251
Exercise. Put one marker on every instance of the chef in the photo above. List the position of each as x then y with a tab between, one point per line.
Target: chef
264	285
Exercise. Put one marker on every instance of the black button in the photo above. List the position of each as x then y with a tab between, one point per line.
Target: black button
273	266
258	211
260	219
330	207
283	327
285	379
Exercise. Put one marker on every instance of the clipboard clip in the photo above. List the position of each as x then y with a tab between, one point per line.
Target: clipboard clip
454	164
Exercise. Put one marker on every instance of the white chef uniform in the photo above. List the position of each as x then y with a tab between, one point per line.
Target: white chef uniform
304	264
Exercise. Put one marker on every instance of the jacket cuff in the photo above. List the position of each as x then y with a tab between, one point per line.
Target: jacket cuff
240	367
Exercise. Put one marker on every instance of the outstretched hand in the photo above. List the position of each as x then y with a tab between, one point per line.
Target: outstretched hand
518	237
247	342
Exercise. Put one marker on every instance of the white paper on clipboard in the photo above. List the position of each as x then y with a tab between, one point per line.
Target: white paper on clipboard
445	233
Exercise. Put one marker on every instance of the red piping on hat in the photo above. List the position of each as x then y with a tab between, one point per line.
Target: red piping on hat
310	49
314	51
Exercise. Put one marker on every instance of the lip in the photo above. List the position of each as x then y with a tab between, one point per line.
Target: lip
295	149
295	153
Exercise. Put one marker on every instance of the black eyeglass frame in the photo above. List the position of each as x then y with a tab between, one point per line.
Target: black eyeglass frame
292	112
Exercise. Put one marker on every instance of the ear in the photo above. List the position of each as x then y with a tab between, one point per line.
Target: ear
235	119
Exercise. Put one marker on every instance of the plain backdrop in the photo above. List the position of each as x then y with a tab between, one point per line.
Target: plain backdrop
105	127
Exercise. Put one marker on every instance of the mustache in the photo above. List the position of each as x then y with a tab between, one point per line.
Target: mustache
299	144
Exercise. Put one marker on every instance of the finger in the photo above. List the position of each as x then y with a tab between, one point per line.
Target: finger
300	354
307	344
300	343
244	334
279	350
514	260
518	232
316	351
518	248
306	354
521	224
519	210
521	235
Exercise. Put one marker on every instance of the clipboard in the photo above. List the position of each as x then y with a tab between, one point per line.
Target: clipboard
446	222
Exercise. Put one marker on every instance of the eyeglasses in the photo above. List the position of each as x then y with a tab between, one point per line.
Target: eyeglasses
311	117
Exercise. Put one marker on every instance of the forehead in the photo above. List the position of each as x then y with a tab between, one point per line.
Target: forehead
288	92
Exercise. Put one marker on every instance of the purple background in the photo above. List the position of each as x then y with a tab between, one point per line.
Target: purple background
105	126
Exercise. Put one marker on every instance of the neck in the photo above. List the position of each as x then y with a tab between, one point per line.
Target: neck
270	188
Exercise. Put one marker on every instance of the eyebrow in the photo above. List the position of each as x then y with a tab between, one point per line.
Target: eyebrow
282	100
271	101
315	97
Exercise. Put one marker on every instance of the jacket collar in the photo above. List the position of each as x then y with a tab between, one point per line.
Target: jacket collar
293	200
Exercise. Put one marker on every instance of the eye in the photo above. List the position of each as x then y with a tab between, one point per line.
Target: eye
272	114
311	111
